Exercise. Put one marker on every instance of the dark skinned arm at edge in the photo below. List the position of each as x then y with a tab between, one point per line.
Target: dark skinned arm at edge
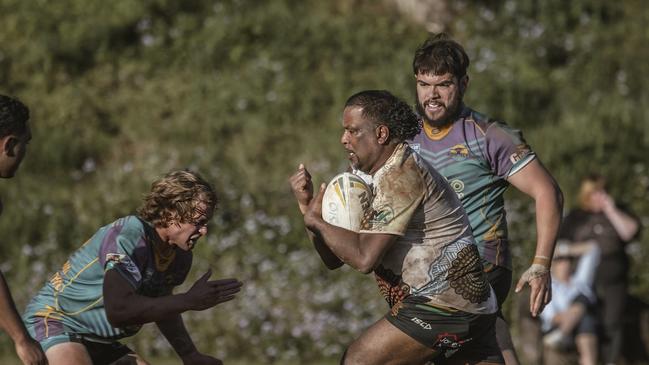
125	307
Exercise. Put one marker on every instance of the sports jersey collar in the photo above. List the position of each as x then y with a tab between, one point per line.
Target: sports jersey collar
438	134
397	155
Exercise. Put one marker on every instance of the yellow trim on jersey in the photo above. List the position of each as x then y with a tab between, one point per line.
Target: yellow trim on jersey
437	133
56	293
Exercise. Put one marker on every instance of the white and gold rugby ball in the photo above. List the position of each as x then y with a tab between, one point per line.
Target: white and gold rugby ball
345	201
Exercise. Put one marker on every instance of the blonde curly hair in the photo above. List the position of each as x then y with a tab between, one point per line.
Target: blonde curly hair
177	198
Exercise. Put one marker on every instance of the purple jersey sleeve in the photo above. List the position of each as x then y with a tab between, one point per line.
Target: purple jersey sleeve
118	249
507	150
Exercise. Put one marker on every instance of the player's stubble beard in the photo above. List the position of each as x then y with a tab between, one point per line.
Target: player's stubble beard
454	112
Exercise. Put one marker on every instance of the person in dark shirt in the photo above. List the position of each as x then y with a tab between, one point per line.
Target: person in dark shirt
599	218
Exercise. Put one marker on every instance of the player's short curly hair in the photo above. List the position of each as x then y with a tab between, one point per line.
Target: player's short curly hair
13	116
439	55
177	198
381	107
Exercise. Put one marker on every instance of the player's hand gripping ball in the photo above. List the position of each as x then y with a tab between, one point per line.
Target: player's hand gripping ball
345	201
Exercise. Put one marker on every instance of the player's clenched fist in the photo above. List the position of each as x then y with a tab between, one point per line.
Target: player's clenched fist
302	187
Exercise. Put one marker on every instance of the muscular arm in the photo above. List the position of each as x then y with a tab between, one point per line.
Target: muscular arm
302	188
28	350
173	329
126	307
360	251
10	319
535	181
329	258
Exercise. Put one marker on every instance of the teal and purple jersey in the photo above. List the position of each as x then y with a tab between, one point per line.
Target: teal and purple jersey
71	302
477	155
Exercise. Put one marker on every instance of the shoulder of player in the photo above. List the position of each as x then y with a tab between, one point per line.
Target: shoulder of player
403	172
473	119
129	226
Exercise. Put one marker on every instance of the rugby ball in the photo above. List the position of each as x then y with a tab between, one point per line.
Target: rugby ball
345	201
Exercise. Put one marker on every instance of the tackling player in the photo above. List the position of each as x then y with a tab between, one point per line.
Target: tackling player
123	277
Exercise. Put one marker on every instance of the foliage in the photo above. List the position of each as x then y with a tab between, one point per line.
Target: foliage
243	91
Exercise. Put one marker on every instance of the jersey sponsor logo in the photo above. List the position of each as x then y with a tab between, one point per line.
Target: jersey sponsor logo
379	217
458	152
415	147
522	150
421	323
449	343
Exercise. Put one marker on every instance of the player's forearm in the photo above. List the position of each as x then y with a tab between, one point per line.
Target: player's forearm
328	257
549	205
138	309
173	329
345	245
10	320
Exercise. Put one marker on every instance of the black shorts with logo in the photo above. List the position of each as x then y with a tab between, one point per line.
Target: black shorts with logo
448	331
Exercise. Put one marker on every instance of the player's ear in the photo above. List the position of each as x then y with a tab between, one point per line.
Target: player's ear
7	144
382	134
464	83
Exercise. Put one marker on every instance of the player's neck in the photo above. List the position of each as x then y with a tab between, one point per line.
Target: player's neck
161	242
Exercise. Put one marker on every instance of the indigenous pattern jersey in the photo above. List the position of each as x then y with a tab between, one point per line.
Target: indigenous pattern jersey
435	257
72	300
477	155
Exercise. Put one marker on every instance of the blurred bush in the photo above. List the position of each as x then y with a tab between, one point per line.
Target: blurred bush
243	91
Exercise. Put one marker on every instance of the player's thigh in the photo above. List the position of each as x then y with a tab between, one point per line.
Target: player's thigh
500	279
385	344
68	353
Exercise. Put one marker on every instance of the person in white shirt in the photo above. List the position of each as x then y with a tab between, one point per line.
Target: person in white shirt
569	315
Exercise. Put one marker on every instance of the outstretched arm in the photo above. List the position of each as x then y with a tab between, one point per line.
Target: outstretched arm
535	181
302	188
173	329
28	350
126	307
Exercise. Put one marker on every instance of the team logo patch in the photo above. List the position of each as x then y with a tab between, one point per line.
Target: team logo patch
522	150
113	259
449	343
459	151
381	216
458	187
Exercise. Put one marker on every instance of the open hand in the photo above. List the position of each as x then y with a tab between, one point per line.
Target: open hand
302	187
206	293
538	278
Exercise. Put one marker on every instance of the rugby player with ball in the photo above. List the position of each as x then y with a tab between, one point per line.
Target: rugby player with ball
416	239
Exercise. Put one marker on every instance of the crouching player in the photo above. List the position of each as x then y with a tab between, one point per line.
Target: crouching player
123	277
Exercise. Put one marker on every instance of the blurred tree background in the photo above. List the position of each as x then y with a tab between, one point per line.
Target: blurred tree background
243	91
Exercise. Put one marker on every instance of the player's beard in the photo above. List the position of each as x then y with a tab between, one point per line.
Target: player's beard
448	119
